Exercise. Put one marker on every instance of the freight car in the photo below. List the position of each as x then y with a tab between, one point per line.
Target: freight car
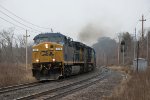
55	56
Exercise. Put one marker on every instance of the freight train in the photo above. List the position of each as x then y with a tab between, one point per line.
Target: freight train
57	56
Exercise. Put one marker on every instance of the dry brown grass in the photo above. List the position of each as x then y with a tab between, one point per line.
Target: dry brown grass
123	69
136	87
12	74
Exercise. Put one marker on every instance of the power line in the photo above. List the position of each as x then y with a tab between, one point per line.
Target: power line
147	13
18	21
12	23
148	19
137	22
23	19
15	24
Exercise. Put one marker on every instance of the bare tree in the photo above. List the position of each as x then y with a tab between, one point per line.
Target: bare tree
21	49
12	47
6	42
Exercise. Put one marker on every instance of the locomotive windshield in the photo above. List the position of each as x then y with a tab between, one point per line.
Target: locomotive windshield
42	39
56	39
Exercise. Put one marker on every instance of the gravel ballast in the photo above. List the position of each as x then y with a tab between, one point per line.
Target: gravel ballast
44	87
98	90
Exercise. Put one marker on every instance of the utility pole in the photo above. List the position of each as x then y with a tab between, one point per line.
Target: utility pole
26	36
104	58
147	45
137	56
142	20
119	52
123	49
123	54
51	30
142	39
135	44
119	37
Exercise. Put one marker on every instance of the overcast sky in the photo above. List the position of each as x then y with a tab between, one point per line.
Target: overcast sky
73	17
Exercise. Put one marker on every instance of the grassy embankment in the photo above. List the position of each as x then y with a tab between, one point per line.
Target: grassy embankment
11	74
136	86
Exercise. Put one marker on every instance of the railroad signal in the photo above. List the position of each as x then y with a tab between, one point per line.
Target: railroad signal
123	48
122	42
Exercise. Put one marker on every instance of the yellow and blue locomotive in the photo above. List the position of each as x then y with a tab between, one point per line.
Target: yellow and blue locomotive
55	55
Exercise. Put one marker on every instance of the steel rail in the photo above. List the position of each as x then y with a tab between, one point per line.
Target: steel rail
40	94
17	87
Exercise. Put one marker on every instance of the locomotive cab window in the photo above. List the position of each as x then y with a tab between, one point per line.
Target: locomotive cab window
56	39
40	40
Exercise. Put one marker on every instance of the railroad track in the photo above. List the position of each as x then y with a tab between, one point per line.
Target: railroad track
26	85
59	92
17	87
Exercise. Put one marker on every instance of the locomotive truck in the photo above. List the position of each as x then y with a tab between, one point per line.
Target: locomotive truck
57	56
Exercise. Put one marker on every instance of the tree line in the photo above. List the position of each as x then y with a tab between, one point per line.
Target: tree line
109	51
12	47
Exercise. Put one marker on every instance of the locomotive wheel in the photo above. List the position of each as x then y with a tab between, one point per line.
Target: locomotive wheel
67	71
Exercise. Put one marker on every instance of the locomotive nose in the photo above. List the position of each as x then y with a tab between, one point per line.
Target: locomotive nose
48	52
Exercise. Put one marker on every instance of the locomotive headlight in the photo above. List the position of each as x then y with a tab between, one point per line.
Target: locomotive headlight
37	60
46	45
58	49
35	50
54	60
